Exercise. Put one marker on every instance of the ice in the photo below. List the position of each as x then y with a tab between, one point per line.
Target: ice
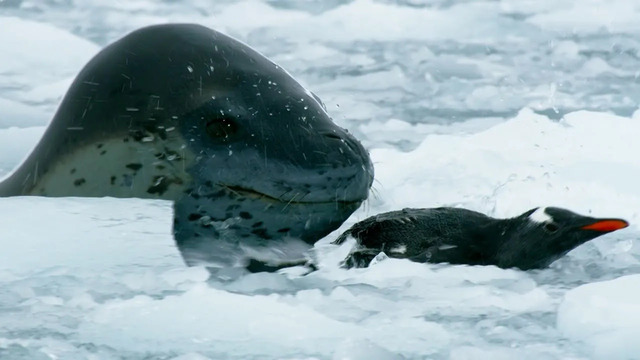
496	106
256	14
386	22
191	356
16	143
605	316
508	162
13	113
139	234
351	349
216	319
30	59
596	15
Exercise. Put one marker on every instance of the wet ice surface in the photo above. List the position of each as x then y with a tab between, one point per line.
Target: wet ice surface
494	106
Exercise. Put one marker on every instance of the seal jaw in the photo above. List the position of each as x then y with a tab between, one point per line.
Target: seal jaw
220	226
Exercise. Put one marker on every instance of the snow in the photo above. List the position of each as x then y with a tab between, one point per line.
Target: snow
32	65
496	106
605	316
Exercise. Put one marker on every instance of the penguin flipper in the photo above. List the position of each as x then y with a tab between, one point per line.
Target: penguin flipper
342	238
359	258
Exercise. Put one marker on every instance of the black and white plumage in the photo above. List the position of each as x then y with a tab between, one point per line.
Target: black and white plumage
458	236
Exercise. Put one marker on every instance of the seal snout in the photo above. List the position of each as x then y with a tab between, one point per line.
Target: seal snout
331	167
352	175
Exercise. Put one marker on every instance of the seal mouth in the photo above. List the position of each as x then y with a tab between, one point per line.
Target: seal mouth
253	194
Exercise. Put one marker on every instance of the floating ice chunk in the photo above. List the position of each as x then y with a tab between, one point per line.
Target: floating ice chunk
378	259
473	353
191	356
519	164
183	275
69	233
253	283
491	97
614	16
13	113
357	349
604	316
256	15
45	95
36	53
203	316
566	49
596	66
388	22
15	145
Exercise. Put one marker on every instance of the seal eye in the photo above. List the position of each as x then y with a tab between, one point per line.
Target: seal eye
221	128
551	227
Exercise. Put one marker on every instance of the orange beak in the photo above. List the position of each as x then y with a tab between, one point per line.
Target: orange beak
606	225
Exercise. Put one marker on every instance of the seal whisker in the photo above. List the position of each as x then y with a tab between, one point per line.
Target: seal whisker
289	202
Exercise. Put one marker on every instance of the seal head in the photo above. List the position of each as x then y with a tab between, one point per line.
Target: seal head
181	112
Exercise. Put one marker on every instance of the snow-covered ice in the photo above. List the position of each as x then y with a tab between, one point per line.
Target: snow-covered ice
496	106
605	316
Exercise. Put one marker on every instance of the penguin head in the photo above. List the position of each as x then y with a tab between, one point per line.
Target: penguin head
541	235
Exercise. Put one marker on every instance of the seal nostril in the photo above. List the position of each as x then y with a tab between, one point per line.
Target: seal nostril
345	139
334	136
353	145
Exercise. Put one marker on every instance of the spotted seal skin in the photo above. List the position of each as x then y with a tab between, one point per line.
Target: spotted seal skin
254	164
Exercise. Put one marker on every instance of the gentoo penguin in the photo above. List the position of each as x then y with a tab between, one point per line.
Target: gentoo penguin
532	240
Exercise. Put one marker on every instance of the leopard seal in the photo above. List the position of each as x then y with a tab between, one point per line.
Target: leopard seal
254	164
